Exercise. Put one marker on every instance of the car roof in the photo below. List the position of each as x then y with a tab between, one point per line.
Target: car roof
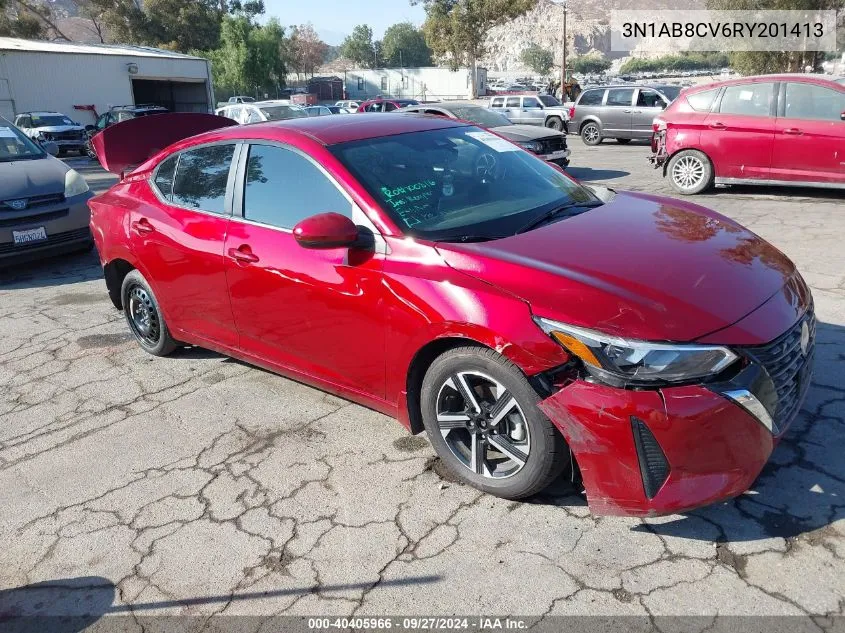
799	77
331	130
40	112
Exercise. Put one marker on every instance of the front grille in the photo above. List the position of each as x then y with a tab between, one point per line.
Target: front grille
553	144
29	219
52	240
789	368
654	468
35	201
73	135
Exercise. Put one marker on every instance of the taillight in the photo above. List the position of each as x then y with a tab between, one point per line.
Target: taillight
571	113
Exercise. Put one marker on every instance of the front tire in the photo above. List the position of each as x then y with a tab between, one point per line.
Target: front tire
690	172
555	123
481	416
144	317
591	133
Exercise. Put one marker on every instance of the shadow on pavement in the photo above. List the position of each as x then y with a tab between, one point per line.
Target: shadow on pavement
591	175
60	270
73	604
801	491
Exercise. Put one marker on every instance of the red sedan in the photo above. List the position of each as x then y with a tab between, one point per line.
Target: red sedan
433	271
768	130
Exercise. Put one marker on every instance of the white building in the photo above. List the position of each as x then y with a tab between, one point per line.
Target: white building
414	83
57	76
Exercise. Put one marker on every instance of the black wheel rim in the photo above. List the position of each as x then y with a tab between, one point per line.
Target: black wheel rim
483	425
143	316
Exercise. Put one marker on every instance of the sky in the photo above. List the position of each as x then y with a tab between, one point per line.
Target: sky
335	19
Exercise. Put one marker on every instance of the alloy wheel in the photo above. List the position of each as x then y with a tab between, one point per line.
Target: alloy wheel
483	425
143	316
688	172
591	133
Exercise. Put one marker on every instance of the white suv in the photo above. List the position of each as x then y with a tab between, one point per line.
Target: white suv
43	127
261	111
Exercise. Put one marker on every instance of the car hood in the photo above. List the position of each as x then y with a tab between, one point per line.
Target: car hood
59	128
640	266
34	177
525	132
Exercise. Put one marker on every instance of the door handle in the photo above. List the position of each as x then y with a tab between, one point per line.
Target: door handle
627	111
243	255
793	130
638	111
143	226
717	125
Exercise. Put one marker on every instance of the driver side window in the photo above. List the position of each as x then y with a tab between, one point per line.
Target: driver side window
649	99
103	121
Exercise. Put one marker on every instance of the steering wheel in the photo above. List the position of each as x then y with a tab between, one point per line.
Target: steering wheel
486	166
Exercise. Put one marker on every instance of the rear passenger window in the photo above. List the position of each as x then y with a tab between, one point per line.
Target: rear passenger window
702	101
201	178
164	176
283	187
620	97
591	97
748	99
513	102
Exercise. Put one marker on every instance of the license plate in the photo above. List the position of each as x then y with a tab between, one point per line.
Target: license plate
29	235
560	154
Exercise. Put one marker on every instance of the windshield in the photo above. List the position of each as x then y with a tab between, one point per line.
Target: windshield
671	92
460	181
48	120
480	116
14	145
548	100
277	113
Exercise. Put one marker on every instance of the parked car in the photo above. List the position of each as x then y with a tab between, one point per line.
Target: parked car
338	110
241	99
530	110
527	325
550	145
43	202
385	104
772	130
352	106
261	111
41	127
317	110
118	114
620	112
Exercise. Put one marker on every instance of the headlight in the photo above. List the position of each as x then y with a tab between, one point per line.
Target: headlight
74	183
531	146
618	360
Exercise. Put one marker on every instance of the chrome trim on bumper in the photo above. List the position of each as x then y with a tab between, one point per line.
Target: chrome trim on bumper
750	403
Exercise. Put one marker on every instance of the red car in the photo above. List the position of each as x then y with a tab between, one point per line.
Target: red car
430	270
768	130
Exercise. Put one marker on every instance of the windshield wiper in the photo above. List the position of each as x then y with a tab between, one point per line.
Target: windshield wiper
548	215
463	239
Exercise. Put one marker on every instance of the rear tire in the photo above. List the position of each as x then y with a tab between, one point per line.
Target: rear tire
505	446
144	316
690	172
591	133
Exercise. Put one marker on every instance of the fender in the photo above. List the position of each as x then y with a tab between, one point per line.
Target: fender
131	142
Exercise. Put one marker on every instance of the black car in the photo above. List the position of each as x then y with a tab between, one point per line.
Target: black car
548	144
117	114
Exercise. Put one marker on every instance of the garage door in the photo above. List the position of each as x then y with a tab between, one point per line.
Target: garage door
176	96
7	105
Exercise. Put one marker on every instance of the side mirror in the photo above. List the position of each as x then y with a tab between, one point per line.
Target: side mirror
326	230
51	148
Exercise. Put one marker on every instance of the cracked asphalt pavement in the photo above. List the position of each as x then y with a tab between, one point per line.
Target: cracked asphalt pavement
196	484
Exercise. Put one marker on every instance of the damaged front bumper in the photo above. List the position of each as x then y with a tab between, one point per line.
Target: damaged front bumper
652	452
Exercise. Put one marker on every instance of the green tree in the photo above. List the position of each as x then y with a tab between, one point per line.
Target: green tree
359	46
404	45
538	59
592	63
456	29
250	58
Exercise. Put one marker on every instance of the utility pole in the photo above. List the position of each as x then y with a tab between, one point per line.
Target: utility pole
400	58
563	65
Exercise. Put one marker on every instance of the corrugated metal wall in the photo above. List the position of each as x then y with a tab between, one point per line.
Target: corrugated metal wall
58	81
413	83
